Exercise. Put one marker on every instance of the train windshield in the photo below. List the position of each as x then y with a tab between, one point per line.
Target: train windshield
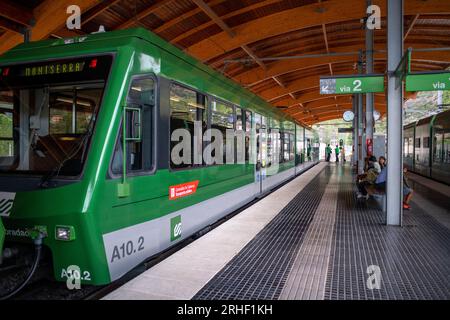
47	114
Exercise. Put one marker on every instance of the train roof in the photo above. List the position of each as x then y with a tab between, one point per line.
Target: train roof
430	119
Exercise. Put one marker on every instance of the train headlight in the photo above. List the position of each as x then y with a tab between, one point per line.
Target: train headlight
65	233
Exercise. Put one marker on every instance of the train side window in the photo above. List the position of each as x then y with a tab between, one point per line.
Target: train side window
140	106
426	142
6	127
222	118
187	106
240	124
417	143
248	128
291	147
446	148
286	147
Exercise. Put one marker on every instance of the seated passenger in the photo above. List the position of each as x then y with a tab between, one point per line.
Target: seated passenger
407	191
382	161
369	178
380	182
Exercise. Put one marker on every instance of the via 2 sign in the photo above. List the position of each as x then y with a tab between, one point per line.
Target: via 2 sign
183	190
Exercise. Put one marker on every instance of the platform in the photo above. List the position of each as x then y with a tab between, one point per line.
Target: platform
311	239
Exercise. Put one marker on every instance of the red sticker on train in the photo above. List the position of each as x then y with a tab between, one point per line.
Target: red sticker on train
182	190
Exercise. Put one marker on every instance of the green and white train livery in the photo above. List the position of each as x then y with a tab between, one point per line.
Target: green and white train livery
87	130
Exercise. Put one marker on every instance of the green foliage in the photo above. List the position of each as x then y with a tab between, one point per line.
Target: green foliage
425	104
328	132
5	132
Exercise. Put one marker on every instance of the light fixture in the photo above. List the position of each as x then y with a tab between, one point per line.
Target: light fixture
67	100
65	233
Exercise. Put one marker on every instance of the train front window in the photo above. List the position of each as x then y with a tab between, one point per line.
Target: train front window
47	115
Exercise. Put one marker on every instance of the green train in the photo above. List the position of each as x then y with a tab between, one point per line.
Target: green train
86	168
426	147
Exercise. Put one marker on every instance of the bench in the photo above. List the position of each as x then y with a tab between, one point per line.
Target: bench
378	194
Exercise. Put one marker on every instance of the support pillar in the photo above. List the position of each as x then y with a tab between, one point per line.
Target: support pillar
395	114
369	96
26	35
355	131
359	98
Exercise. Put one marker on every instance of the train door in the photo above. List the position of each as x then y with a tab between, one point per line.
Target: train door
134	154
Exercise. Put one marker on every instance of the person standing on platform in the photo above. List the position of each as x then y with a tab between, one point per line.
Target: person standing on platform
342	149
328	152
336	151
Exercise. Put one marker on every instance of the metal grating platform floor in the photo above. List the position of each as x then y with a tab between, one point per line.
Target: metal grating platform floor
260	270
414	261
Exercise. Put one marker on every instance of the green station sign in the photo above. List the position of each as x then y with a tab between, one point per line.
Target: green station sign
352	84
428	81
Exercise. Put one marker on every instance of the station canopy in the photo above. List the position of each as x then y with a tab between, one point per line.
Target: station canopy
254	41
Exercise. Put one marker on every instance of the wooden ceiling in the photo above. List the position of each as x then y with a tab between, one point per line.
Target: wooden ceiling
219	32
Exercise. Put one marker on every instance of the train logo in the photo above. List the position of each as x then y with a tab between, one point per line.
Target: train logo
6	203
175	228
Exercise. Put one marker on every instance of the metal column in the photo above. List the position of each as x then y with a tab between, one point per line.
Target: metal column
395	113
369	69
355	131
359	99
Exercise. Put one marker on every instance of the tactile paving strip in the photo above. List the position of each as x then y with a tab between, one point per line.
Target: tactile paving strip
308	275
414	260
260	270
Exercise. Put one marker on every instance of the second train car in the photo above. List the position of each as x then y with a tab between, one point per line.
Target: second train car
426	147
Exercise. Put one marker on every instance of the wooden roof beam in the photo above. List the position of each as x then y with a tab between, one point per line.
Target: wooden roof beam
311	97
296	85
85	18
217	20
50	15
278	81
251	77
411	26
11	26
141	15
16	12
253	56
333	11
214	17
345	106
98	9
324	30
207	24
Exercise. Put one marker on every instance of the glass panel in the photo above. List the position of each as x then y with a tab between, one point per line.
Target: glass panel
239	119
49	129
446	148
71	111
140	101
248	128
6	125
47	114
222	115
222	118
187	106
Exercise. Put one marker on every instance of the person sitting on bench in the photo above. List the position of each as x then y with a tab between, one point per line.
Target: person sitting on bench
407	191
369	178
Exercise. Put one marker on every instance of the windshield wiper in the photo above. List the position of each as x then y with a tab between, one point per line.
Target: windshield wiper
46	181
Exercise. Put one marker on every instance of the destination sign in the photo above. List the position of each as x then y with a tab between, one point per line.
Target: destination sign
352	84
428	81
56	71
54	68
